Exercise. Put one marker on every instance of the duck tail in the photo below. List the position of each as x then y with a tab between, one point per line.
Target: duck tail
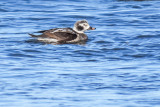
33	35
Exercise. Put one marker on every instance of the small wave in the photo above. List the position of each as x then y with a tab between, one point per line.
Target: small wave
140	55
147	36
3	10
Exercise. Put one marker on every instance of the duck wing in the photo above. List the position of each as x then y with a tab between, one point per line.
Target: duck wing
61	34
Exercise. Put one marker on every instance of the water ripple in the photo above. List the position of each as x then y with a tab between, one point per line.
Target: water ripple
118	65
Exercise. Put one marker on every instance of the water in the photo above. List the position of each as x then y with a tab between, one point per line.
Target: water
117	67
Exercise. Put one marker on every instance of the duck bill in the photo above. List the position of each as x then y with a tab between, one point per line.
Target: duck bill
91	28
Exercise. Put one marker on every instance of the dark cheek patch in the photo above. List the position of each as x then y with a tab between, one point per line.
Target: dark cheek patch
79	28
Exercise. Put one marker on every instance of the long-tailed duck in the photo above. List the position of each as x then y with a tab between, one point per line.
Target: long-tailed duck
65	35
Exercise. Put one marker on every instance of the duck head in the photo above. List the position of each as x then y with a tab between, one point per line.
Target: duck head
81	26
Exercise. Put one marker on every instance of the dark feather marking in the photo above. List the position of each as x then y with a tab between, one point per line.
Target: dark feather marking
79	28
83	21
65	36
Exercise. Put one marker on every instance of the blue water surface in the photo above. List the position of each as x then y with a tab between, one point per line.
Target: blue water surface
119	66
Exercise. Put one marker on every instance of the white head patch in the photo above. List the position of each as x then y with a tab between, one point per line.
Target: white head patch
81	26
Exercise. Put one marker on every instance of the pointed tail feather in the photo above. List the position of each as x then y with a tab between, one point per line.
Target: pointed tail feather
33	35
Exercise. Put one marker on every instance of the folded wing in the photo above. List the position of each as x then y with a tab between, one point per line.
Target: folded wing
60	34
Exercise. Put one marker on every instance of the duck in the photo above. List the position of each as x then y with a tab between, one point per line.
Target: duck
65	35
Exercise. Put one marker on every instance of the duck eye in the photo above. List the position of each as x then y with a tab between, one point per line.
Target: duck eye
84	25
